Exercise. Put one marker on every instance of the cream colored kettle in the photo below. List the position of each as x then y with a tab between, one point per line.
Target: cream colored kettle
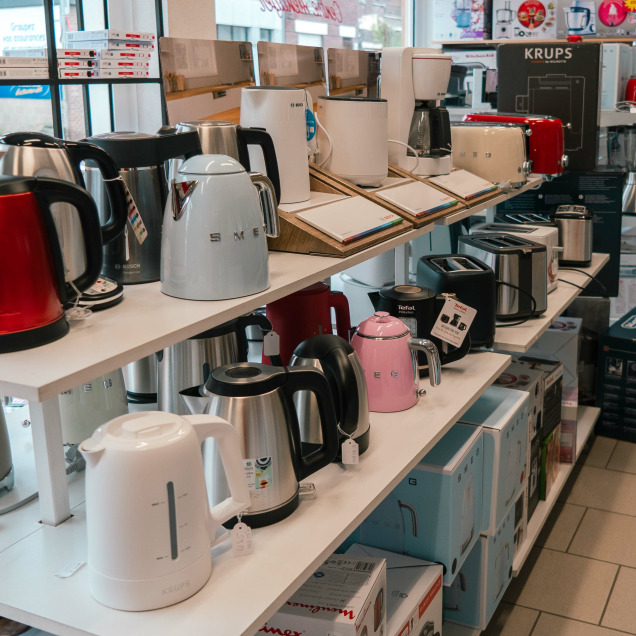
148	522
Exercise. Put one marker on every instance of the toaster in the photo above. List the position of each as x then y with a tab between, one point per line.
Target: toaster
527	218
547	235
472	281
544	139
521	272
495	152
575	223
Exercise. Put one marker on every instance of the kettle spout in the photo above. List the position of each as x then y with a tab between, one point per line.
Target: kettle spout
91	450
195	402
374	297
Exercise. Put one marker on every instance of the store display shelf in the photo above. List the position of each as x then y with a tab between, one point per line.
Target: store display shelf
520	338
244	592
453	629
587	416
617	118
533	182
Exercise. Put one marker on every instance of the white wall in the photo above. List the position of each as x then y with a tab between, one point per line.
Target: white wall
189	19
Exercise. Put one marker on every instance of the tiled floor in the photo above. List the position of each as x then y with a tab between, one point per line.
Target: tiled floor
580	579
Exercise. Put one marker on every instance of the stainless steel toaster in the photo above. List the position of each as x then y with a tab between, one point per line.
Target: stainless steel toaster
575	223
521	272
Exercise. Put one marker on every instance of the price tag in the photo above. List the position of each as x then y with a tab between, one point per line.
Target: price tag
350	452
271	344
241	535
134	217
70	569
453	322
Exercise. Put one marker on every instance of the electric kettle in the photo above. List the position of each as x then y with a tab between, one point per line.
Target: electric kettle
257	400
148	525
387	353
33	154
337	359
31	266
6	461
214	244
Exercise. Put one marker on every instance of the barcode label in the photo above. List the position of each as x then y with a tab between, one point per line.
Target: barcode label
364	566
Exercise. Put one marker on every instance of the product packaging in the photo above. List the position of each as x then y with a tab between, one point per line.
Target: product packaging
124	55
346	595
414	592
435	511
23	62
460	20
108	34
63	54
79	63
114	45
481	583
123	64
521	517
549	463
114	72
534	477
76	73
616	70
38	52
524	19
24	73
502	415
596	18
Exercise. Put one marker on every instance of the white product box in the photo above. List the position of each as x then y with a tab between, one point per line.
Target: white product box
459	20
414	592
484	578
64	73
123	64
23	62
114	45
113	72
124	55
616	70
346	595
25	52
64	54
521	517
502	415
108	34
595	18
24	73
487	57
435	511
519	19
79	63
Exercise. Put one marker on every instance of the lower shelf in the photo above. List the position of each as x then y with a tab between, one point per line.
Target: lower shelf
587	416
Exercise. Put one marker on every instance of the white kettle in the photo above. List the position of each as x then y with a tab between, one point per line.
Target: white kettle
148	522
214	241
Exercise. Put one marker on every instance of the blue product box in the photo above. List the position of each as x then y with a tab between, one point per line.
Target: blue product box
435	512
502	415
484	578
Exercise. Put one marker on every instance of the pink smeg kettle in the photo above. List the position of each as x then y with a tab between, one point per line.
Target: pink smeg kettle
388	356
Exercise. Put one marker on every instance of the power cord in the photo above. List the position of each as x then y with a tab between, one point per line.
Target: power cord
532	300
593	278
561	280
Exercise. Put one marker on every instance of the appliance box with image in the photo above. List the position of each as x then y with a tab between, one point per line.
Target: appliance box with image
549	462
519	19
555	79
502	416
521	517
617	69
346	595
594	18
460	20
435	511
484	577
534	476
414	592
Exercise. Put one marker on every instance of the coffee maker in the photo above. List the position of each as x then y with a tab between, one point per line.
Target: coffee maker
414	80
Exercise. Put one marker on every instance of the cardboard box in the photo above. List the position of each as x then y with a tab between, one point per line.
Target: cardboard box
76	73
595	19
113	45
484	578
435	511
117	72
23	62
124	55
123	64
516	19
549	462
78	63
64	54
460	20
24	73
346	595
534	477
34	52
616	70
109	34
414	592
521	517
558	79
502	415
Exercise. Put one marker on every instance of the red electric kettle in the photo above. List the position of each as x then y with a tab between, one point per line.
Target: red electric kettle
307	313
32	287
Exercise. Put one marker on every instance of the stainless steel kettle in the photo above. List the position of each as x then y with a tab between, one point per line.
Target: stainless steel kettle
33	154
257	400
6	461
337	359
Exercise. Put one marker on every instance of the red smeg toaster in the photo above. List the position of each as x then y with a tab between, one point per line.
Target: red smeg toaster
544	138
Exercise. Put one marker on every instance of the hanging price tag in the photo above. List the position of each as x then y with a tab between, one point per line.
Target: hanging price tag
350	452
271	344
453	322
69	569
134	217
241	535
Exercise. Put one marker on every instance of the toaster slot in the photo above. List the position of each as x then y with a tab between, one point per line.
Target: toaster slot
456	264
500	242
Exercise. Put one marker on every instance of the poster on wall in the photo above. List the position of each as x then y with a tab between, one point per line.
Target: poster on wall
524	19
460	20
596	18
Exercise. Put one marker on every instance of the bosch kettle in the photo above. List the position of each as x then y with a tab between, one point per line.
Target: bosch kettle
257	399
148	524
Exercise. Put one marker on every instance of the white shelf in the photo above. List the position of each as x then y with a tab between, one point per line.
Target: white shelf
520	338
617	118
243	593
533	182
587	416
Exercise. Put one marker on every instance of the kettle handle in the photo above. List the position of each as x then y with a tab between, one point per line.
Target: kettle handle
230	450
81	151
49	191
253	319
259	137
268	202
308	379
340	304
338	366
432	358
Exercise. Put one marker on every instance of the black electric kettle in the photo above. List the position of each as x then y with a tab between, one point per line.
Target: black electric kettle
418	308
257	400
337	359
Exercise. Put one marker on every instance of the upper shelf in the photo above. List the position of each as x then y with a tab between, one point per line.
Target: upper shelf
244	592
479	43
520	338
617	118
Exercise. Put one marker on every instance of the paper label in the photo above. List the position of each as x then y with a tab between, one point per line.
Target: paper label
70	569
259	473
241	535
350	452
453	322
134	217
271	344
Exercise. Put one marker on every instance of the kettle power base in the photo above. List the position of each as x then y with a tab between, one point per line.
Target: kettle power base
31	338
105	293
267	518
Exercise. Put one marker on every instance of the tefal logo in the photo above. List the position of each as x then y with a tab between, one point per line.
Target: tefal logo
281	632
548	53
460	307
319	608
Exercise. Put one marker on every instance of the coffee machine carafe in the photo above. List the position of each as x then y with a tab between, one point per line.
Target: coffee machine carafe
414	80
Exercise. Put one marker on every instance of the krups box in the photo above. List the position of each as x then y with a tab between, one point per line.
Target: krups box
502	415
560	79
549	463
461	20
616	70
414	592
518	19
435	511
346	595
484	578
595	18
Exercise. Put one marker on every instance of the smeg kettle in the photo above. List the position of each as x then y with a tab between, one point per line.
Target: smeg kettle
388	356
257	399
214	243
148	524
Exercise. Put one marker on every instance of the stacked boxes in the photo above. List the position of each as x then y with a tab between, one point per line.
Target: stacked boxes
23	66
550	448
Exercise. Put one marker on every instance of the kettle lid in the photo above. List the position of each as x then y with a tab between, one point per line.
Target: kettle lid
211	164
407	293
319	347
382	325
244	379
17	185
32	139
